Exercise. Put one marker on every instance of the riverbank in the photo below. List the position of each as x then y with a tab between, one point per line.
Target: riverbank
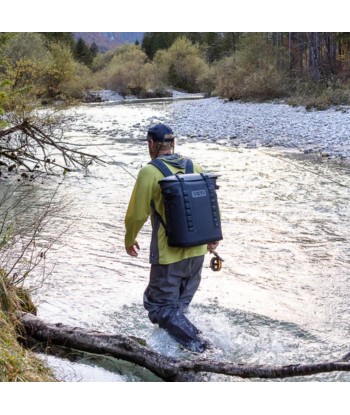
254	125
16	363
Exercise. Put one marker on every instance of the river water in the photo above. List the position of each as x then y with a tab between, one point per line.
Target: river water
282	296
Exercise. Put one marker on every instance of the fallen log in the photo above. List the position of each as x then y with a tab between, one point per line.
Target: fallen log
119	346
168	368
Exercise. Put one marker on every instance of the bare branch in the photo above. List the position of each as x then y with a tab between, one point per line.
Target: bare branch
31	139
22	248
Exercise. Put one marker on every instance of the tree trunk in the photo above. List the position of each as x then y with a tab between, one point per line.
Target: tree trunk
315	69
168	368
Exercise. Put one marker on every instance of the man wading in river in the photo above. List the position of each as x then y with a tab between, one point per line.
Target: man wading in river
175	272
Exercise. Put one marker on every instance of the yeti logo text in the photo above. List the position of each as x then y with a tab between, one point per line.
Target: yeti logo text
198	193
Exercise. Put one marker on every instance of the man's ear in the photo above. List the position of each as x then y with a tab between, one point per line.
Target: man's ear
151	147
153	144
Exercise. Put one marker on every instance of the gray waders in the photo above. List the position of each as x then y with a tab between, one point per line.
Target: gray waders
169	293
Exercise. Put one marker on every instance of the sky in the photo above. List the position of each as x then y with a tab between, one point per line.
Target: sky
182	15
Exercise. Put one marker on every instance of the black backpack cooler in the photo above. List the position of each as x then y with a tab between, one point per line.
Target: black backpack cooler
191	206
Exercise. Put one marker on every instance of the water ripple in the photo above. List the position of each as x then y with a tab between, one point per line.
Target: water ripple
282	295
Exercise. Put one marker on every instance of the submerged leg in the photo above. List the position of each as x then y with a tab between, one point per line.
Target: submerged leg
170	289
191	280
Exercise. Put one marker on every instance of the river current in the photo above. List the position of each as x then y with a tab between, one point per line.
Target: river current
282	296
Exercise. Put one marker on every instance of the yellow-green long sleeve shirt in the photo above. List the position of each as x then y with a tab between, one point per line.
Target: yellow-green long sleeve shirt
146	190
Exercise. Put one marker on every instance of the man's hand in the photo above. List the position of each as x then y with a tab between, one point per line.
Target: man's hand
132	250
212	246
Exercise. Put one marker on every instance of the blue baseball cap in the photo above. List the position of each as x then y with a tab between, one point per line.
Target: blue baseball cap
161	133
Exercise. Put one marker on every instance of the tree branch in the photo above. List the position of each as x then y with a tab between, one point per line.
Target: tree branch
167	368
30	140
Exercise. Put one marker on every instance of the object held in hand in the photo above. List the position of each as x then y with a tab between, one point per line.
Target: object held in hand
216	262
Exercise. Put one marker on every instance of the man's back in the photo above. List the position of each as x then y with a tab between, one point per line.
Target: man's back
147	193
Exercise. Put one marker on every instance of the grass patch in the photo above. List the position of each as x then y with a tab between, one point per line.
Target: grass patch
315	97
17	364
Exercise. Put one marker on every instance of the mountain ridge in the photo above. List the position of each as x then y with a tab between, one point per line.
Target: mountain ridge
108	40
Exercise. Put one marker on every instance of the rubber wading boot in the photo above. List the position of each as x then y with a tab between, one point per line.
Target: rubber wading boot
183	331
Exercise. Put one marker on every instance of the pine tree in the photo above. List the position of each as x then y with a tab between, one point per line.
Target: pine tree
82	52
154	41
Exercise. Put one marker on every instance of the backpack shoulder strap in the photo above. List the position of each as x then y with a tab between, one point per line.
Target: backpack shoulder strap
166	171
189	166
161	166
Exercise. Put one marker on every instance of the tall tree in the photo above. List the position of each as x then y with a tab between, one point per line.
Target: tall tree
154	41
214	45
230	42
83	53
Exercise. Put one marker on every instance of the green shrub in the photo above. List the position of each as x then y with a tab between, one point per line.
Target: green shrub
182	65
128	72
77	86
234	78
313	95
